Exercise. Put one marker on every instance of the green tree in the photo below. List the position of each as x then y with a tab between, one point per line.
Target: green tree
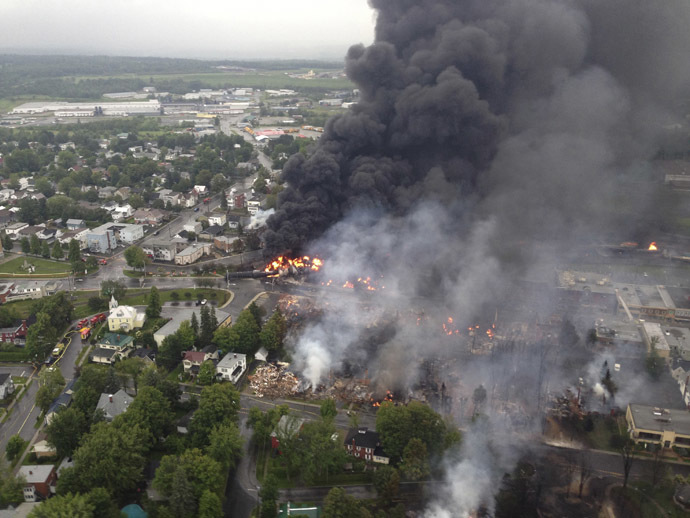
269	495
273	332
210	505
50	385
153	310
111	457
62	506
415	464
225	445
201	472
136	258
206	327
11	487
398	424
257	313
115	289
45	250
26	246
129	370
66	430
387	484
149	411
41	337
15	446
58	252
218	403
7	243
328	409
35	245
207	373
74	254
181	501
338	504
654	364
194	323
242	337
317	454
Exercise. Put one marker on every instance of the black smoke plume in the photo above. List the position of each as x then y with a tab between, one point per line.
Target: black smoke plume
522	102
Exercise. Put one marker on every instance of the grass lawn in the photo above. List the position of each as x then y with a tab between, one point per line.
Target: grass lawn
43	266
604	428
643	496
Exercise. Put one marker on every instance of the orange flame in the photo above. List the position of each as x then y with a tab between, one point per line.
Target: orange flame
283	263
652	246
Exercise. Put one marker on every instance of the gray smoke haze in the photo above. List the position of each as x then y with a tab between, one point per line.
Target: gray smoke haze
483	128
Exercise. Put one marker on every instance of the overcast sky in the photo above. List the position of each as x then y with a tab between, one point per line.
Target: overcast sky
213	29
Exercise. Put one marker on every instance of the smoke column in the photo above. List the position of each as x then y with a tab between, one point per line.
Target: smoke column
481	125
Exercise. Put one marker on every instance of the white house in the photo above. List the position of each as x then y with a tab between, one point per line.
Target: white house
217	219
231	367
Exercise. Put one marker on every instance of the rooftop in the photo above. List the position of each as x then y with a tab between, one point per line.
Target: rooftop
660	419
36	473
118	340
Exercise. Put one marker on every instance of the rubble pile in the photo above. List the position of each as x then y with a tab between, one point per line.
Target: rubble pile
273	381
297	309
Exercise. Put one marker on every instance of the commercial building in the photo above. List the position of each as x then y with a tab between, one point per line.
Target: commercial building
177	316
653	425
120	109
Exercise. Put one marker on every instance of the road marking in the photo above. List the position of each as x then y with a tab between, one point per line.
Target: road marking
25	420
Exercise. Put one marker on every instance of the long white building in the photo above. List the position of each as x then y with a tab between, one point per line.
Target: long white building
109	108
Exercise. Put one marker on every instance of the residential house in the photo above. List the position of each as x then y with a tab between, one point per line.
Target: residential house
365	444
192	253
63	401
148	216
211	232
256	203
224	243
288	426
124	318
112	405
667	428
168	196
261	355
43	450
122	212
47	234
106	192
40	481
6	195
6	385
148	356
16	333
111	347
201	189
189	199
234	221
237	201
66	237
231	367
192	361
74	224
128	233
193	226
217	218
13	229
124	192
6	218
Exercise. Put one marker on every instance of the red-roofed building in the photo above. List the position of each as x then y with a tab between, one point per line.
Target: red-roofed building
192	360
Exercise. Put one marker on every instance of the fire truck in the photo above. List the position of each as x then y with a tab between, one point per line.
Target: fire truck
96	319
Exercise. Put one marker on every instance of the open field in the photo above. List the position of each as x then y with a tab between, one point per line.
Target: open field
43	266
262	80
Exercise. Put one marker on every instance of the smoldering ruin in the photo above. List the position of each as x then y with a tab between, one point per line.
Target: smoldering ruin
488	146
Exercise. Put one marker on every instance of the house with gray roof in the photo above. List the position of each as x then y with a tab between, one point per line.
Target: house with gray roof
113	405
